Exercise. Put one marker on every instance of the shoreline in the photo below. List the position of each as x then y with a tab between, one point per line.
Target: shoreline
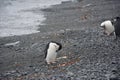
22	17
90	54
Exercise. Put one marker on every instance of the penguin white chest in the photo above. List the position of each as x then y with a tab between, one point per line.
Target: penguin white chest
109	27
51	55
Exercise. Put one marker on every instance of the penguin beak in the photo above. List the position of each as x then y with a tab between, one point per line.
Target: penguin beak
104	30
102	27
56	47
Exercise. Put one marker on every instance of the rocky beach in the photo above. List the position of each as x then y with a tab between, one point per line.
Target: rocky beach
90	55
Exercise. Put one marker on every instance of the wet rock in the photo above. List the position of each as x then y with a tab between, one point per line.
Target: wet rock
113	62
34	45
24	73
31	66
37	70
13	44
70	73
18	74
114	71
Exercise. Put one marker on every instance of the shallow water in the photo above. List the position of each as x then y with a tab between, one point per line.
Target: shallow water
19	17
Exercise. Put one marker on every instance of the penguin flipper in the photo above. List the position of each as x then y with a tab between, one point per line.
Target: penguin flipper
45	51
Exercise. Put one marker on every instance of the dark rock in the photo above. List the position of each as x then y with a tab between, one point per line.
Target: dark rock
114	79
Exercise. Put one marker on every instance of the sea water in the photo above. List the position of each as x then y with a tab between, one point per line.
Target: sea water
20	17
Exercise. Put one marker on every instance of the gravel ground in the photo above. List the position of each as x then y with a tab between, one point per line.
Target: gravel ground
91	55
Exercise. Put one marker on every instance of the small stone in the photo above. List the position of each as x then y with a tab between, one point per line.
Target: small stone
62	31
77	79
24	73
13	71
30	66
8	73
18	75
113	79
70	73
114	62
37	70
114	71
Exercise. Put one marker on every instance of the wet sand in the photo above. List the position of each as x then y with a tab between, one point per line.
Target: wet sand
91	55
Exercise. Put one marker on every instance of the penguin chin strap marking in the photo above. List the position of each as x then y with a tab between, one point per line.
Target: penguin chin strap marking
56	47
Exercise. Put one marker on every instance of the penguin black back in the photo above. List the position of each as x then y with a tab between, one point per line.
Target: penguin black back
47	46
117	26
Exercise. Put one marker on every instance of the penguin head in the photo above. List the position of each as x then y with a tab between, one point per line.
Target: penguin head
108	27
103	25
116	19
106	24
55	46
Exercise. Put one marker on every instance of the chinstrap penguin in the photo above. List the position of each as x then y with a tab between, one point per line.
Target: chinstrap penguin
112	26
51	51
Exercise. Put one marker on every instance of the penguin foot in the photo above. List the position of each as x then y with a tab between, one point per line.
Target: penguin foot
51	62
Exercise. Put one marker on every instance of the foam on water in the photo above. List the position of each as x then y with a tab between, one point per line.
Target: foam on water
19	17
